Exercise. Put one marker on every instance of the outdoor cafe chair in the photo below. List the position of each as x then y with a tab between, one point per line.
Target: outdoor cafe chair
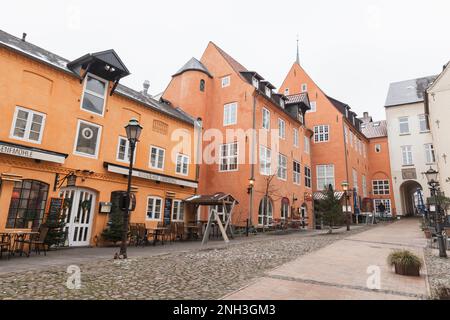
39	241
5	244
133	234
141	234
179	230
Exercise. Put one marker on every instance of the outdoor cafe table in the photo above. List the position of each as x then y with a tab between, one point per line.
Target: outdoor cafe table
17	239
158	231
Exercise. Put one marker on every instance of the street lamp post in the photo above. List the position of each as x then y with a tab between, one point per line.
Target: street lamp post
133	130
431	175
347	218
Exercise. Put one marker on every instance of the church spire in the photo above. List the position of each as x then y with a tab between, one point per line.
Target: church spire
298	51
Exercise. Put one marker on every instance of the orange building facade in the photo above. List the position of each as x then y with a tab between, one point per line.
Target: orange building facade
256	144
62	136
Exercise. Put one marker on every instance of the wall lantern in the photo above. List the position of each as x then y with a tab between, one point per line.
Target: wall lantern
251	184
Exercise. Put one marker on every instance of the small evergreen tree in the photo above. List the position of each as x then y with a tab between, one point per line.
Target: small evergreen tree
113	230
330	209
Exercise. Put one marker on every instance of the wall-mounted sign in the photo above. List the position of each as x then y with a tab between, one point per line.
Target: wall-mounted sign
409	174
105	207
30	153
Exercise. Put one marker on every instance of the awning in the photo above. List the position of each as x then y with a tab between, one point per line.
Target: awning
150	176
211	200
31	153
321	195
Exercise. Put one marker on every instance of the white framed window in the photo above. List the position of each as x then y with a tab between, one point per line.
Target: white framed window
296	170
284	209
407	156
387	205
403	125
281	129
355	180
308	177
265	161
178	210
282	167
226	81
423	123
255	82
364	186
429	153
28	125
304	87
313	105
228	157
230	114
124	150
94	95
321	133
286	91
154	208
380	187
364	150
295	133
281	103
377	148
268	92
351	139
301	117
325	176
346	135
87	139
265	118
360	145
306	145
157	158
182	166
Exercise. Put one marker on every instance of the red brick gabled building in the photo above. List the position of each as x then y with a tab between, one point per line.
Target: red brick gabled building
227	96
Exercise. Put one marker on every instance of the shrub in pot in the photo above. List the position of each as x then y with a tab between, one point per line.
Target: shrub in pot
405	263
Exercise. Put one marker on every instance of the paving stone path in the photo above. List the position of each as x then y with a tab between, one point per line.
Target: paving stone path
195	274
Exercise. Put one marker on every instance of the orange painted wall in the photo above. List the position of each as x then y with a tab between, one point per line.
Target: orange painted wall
33	85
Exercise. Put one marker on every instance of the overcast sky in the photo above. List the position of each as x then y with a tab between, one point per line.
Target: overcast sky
353	49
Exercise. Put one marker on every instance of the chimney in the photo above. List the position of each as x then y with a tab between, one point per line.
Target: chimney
366	115
24	35
146	86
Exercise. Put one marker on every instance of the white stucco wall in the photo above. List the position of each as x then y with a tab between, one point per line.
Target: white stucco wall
416	139
439	108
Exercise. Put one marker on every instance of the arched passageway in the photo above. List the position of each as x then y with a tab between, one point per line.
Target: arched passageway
412	198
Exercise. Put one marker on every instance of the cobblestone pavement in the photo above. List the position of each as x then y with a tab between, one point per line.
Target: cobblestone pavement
438	270
207	274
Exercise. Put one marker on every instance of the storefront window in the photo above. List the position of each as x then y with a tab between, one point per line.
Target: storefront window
27	205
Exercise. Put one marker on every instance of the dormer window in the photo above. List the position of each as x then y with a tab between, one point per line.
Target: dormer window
94	95
346	112
255	82
268	92
286	91
300	117
304	87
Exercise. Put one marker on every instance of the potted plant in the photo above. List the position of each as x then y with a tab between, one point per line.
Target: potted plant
428	233
405	262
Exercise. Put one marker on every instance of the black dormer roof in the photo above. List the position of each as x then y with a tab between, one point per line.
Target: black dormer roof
106	64
193	65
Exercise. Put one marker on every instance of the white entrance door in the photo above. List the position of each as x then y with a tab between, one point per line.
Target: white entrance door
79	214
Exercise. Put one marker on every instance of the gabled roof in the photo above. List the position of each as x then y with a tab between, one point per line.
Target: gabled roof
375	129
439	77
408	91
34	52
193	65
236	66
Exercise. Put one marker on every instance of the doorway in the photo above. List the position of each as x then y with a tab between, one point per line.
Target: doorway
411	194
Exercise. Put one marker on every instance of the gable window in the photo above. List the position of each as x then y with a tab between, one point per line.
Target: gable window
255	82
295	137
282	167
88	139
281	129
403	125
313	105
286	91
325	176
429	153
94	95
229	157
226	81
268	92
157	156
423	123
202	85
230	114
154	208
307	177
296	172
124	150
380	187
178	210
321	133
378	148
407	156
265	118
28	125
304	87
307	147
182	166
265	161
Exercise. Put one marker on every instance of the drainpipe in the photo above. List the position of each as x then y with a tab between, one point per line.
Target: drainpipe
252	165
198	127
345	150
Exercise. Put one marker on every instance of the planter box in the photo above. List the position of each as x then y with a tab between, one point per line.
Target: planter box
407	270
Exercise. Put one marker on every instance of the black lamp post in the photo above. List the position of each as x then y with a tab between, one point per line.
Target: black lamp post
432	175
133	130
347	218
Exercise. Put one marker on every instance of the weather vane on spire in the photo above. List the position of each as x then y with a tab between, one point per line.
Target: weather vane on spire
298	51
